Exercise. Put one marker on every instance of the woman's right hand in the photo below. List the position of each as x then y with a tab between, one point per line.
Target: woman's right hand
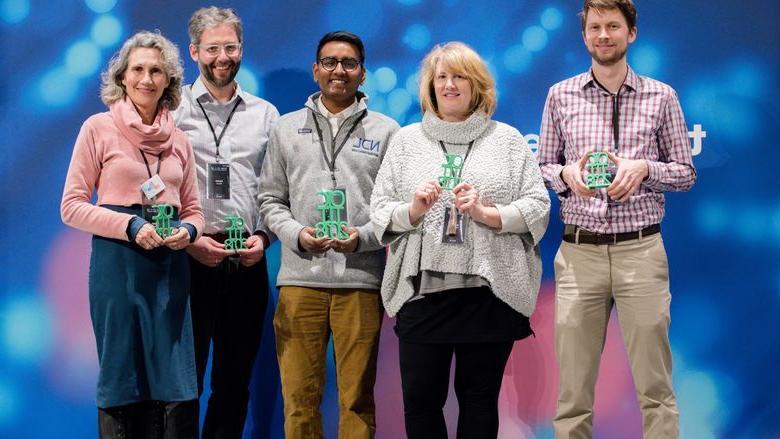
426	194
147	238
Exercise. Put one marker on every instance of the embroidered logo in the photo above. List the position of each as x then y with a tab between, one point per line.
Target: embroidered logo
367	146
304	130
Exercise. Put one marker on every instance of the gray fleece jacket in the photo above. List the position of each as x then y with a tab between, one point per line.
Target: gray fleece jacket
298	165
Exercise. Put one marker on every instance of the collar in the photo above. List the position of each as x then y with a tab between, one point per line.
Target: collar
455	132
361	100
153	139
341	114
202	94
632	80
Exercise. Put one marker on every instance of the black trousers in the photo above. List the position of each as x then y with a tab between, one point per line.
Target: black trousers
228	305
425	378
149	420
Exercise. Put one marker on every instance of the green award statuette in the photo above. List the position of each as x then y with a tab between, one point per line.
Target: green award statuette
451	177
330	224
162	220
234	230
598	176
451	168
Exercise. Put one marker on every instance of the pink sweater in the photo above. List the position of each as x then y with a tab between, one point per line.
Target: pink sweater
107	157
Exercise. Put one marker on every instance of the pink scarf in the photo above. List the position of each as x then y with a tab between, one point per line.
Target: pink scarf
153	139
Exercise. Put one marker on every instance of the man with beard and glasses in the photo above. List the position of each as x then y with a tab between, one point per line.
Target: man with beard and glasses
612	253
329	286
229	129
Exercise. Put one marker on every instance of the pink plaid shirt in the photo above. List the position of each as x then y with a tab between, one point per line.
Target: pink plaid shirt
577	119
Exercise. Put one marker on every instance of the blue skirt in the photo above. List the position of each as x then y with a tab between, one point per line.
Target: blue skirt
140	307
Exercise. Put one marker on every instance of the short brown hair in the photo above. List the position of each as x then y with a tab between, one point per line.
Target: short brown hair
210	17
626	7
463	60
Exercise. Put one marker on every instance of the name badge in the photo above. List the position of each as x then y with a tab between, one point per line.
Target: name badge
218	181
152	187
454	226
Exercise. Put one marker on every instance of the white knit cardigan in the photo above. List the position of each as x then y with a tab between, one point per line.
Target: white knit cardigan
504	172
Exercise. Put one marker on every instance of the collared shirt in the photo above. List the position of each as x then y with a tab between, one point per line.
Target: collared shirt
335	120
577	120
243	146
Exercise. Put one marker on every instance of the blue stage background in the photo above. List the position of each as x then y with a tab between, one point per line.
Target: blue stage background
722	238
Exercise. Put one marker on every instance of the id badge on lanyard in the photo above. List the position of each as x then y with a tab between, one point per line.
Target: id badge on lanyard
218	173
218	181
150	189
454	226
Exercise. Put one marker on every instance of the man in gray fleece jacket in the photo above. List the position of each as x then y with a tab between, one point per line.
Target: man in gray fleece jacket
327	286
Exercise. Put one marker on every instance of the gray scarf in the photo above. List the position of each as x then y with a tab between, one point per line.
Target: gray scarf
455	132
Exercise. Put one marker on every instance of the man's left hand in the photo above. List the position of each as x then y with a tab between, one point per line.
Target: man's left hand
348	245
630	174
254	252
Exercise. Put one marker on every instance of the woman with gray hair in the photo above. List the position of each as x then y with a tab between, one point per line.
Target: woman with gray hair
142	168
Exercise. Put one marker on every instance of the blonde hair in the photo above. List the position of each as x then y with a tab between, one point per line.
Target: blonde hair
461	59
112	89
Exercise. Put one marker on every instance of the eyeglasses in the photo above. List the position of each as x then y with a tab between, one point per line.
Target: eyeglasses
214	49
329	63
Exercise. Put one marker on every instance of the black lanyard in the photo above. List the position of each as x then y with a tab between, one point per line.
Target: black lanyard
217	140
615	111
332	162
463	165
146	162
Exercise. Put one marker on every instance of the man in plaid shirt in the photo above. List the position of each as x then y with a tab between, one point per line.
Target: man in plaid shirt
612	251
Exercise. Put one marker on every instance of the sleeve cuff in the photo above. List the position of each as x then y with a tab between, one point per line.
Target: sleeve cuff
133	226
512	220
288	235
191	230
399	221
655	171
557	184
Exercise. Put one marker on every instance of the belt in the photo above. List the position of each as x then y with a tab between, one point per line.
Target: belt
578	235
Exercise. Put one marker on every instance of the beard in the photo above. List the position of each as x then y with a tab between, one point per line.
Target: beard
608	60
207	70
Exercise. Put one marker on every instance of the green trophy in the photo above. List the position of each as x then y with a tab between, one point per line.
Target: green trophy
448	181
330	224
451	168
235	230
598	175
162	220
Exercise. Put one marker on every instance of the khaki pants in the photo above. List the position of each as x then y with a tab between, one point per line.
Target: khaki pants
634	275
304	320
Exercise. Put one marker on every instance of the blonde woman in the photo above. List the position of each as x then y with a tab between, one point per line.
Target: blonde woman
460	200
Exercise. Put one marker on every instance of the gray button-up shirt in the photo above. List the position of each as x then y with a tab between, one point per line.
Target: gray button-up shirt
243	146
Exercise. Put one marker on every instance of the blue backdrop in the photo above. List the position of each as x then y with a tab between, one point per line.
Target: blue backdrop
722	237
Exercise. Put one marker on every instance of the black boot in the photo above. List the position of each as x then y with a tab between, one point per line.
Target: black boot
150	420
181	420
115	422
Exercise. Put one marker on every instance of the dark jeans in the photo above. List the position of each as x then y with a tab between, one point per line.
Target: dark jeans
228	305
150	420
425	377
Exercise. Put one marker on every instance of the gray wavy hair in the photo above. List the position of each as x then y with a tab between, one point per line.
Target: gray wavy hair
111	87
207	18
